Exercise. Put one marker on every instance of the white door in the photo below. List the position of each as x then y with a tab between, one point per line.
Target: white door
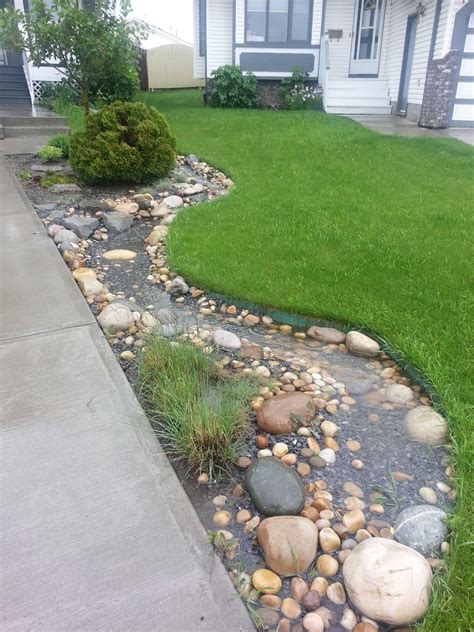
367	37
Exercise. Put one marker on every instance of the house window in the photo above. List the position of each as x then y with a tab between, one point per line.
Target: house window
278	21
202	28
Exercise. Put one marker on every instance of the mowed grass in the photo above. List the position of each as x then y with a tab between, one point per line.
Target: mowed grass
334	221
204	414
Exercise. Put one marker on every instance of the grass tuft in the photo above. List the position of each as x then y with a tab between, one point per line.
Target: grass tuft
203	412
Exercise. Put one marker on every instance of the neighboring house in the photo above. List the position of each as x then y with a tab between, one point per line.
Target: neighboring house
166	61
409	57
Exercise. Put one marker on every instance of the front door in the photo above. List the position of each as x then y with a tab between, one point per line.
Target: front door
407	60
367	37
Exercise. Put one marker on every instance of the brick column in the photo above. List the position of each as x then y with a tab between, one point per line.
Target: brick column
440	88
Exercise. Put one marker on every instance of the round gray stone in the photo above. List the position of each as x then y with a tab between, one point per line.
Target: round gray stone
276	489
421	527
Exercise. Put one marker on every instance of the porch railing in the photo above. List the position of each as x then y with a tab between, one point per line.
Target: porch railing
324	64
26	69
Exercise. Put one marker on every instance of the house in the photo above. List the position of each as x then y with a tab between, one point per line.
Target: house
413	58
166	60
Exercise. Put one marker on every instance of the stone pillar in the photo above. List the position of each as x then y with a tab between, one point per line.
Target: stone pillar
440	88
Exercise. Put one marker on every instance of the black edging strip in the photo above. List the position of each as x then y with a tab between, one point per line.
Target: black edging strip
304	322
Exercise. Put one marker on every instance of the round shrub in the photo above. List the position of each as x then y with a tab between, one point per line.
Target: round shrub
123	142
232	89
62	141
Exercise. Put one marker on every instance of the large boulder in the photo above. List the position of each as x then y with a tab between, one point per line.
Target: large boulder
117	222
66	235
286	413
421	527
82	226
361	345
274	487
115	318
425	425
388	581
289	543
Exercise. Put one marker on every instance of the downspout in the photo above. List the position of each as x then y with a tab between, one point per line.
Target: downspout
206	85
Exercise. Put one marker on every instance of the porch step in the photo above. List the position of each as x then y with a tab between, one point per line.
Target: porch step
33	130
347	109
357	96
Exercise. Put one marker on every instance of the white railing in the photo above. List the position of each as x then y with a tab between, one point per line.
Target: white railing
324	64
26	70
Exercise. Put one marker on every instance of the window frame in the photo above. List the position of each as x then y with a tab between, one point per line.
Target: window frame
290	43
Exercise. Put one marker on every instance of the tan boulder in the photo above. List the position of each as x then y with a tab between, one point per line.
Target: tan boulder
283	413
388	581
289	543
425	425
361	345
327	334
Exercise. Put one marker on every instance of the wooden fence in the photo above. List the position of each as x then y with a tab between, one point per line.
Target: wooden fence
170	66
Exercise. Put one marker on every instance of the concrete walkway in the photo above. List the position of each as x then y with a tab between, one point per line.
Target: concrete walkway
96	530
400	126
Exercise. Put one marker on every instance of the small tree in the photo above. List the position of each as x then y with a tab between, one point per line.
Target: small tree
92	46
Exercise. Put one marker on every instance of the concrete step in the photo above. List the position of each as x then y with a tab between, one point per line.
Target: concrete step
348	109
376	91
14	93
356	101
33	121
32	131
1	132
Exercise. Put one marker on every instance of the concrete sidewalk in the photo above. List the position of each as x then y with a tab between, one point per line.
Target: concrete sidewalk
96	530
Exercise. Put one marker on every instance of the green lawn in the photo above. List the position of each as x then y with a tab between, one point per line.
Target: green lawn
331	220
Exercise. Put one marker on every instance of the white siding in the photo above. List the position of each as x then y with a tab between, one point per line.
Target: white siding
219	34
442	27
317	17
340	15
394	40
240	21
199	61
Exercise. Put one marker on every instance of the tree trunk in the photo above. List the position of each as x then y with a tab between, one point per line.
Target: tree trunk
85	96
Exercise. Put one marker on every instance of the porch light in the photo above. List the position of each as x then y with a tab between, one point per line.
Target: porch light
420	9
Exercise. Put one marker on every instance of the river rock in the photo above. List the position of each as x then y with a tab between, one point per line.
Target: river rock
266	581
178	287
361	345
82	226
421	527
67	187
399	394
117	222
66	235
425	425
89	205
283	413
128	208
173	201
289	543
119	254
90	285
327	334
115	318
388	581
275	488
226	339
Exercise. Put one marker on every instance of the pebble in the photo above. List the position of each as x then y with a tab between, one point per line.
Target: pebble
303	469
329	541
127	355
221	518
290	608
312	622
299	588
203	478
311	601
353	489
353	446
272	601
336	593
348	620
329	428
261	441
327	566
279	450
263	453
320	584
429	495
266	581
219	501
357	464
353	520
328	455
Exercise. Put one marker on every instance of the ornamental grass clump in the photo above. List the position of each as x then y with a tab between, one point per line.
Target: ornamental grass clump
123	143
50	154
203	414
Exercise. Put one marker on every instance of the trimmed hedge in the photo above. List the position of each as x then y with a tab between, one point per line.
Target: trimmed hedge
123	142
